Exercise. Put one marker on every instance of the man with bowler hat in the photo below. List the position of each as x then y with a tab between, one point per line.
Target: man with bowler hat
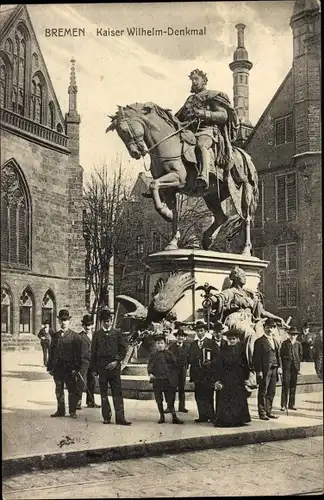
86	374
202	363
267	364
64	363
180	351
291	353
107	351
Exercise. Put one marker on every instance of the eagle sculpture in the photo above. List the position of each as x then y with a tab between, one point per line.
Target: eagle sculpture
166	295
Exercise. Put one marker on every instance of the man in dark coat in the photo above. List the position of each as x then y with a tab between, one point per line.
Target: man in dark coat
45	335
180	351
219	343
291	353
163	372
87	380
64	363
108	349
267	364
202	361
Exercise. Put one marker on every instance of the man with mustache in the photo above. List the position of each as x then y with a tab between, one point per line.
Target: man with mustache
214	128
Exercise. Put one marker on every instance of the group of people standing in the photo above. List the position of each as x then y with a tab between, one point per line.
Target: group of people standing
216	365
75	359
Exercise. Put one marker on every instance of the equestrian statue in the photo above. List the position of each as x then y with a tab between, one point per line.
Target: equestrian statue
192	152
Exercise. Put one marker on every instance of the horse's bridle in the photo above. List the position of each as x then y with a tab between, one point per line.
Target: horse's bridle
134	139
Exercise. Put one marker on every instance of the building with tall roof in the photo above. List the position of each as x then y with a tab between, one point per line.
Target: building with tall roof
285	146
42	247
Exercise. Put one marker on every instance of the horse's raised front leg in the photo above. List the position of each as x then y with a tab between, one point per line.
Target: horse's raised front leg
248	243
170	180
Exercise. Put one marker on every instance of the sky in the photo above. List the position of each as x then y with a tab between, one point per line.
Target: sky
115	71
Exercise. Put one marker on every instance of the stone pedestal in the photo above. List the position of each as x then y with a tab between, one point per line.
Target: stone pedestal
205	266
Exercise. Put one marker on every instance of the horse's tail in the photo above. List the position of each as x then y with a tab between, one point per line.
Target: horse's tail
251	191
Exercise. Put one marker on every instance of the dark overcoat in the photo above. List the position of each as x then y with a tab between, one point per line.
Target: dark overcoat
262	355
291	354
107	347
197	371
65	353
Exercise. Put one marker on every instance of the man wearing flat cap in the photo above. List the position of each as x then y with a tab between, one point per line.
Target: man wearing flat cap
107	352
87	379
291	353
267	364
64	362
202	363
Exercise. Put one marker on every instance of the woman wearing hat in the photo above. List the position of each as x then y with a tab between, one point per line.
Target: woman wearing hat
232	371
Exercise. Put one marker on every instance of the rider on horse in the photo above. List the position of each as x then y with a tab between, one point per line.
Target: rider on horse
214	129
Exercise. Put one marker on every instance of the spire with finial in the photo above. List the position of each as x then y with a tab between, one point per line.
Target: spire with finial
73	89
240	66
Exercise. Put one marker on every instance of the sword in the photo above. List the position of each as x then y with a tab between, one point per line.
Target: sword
86	387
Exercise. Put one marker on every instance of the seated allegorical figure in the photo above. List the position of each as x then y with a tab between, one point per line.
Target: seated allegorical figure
241	309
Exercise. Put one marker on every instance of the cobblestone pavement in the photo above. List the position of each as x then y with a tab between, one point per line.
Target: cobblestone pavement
278	468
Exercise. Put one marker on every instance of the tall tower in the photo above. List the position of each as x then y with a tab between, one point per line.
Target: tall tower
306	27
240	66
76	247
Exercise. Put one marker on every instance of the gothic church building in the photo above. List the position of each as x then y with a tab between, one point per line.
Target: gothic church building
42	247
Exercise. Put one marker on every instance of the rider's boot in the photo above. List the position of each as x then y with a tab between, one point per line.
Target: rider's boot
202	181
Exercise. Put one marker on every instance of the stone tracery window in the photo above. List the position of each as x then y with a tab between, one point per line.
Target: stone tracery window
26	311
3	84
6	310
37	99
15	217
49	308
9	46
51	115
19	72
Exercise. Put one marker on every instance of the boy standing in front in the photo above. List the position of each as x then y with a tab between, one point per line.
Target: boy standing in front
163	372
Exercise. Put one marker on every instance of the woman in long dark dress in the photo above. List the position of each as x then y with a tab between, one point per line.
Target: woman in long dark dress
231	373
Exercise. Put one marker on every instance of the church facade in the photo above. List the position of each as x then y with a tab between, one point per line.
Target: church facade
285	146
42	246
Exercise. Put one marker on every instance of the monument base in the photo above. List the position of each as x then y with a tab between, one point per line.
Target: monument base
205	266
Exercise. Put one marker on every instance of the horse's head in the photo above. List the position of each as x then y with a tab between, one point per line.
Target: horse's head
133	121
130	126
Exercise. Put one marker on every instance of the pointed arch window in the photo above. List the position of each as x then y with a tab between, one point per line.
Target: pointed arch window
19	72
37	99
3	85
49	308
15	217
26	311
6	310
9	46
51	115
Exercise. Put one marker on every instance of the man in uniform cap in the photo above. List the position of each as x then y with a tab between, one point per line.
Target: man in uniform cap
267	364
64	363
202	362
86	374
291	353
107	352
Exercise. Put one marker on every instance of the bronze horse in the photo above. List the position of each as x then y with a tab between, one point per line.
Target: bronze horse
149	129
